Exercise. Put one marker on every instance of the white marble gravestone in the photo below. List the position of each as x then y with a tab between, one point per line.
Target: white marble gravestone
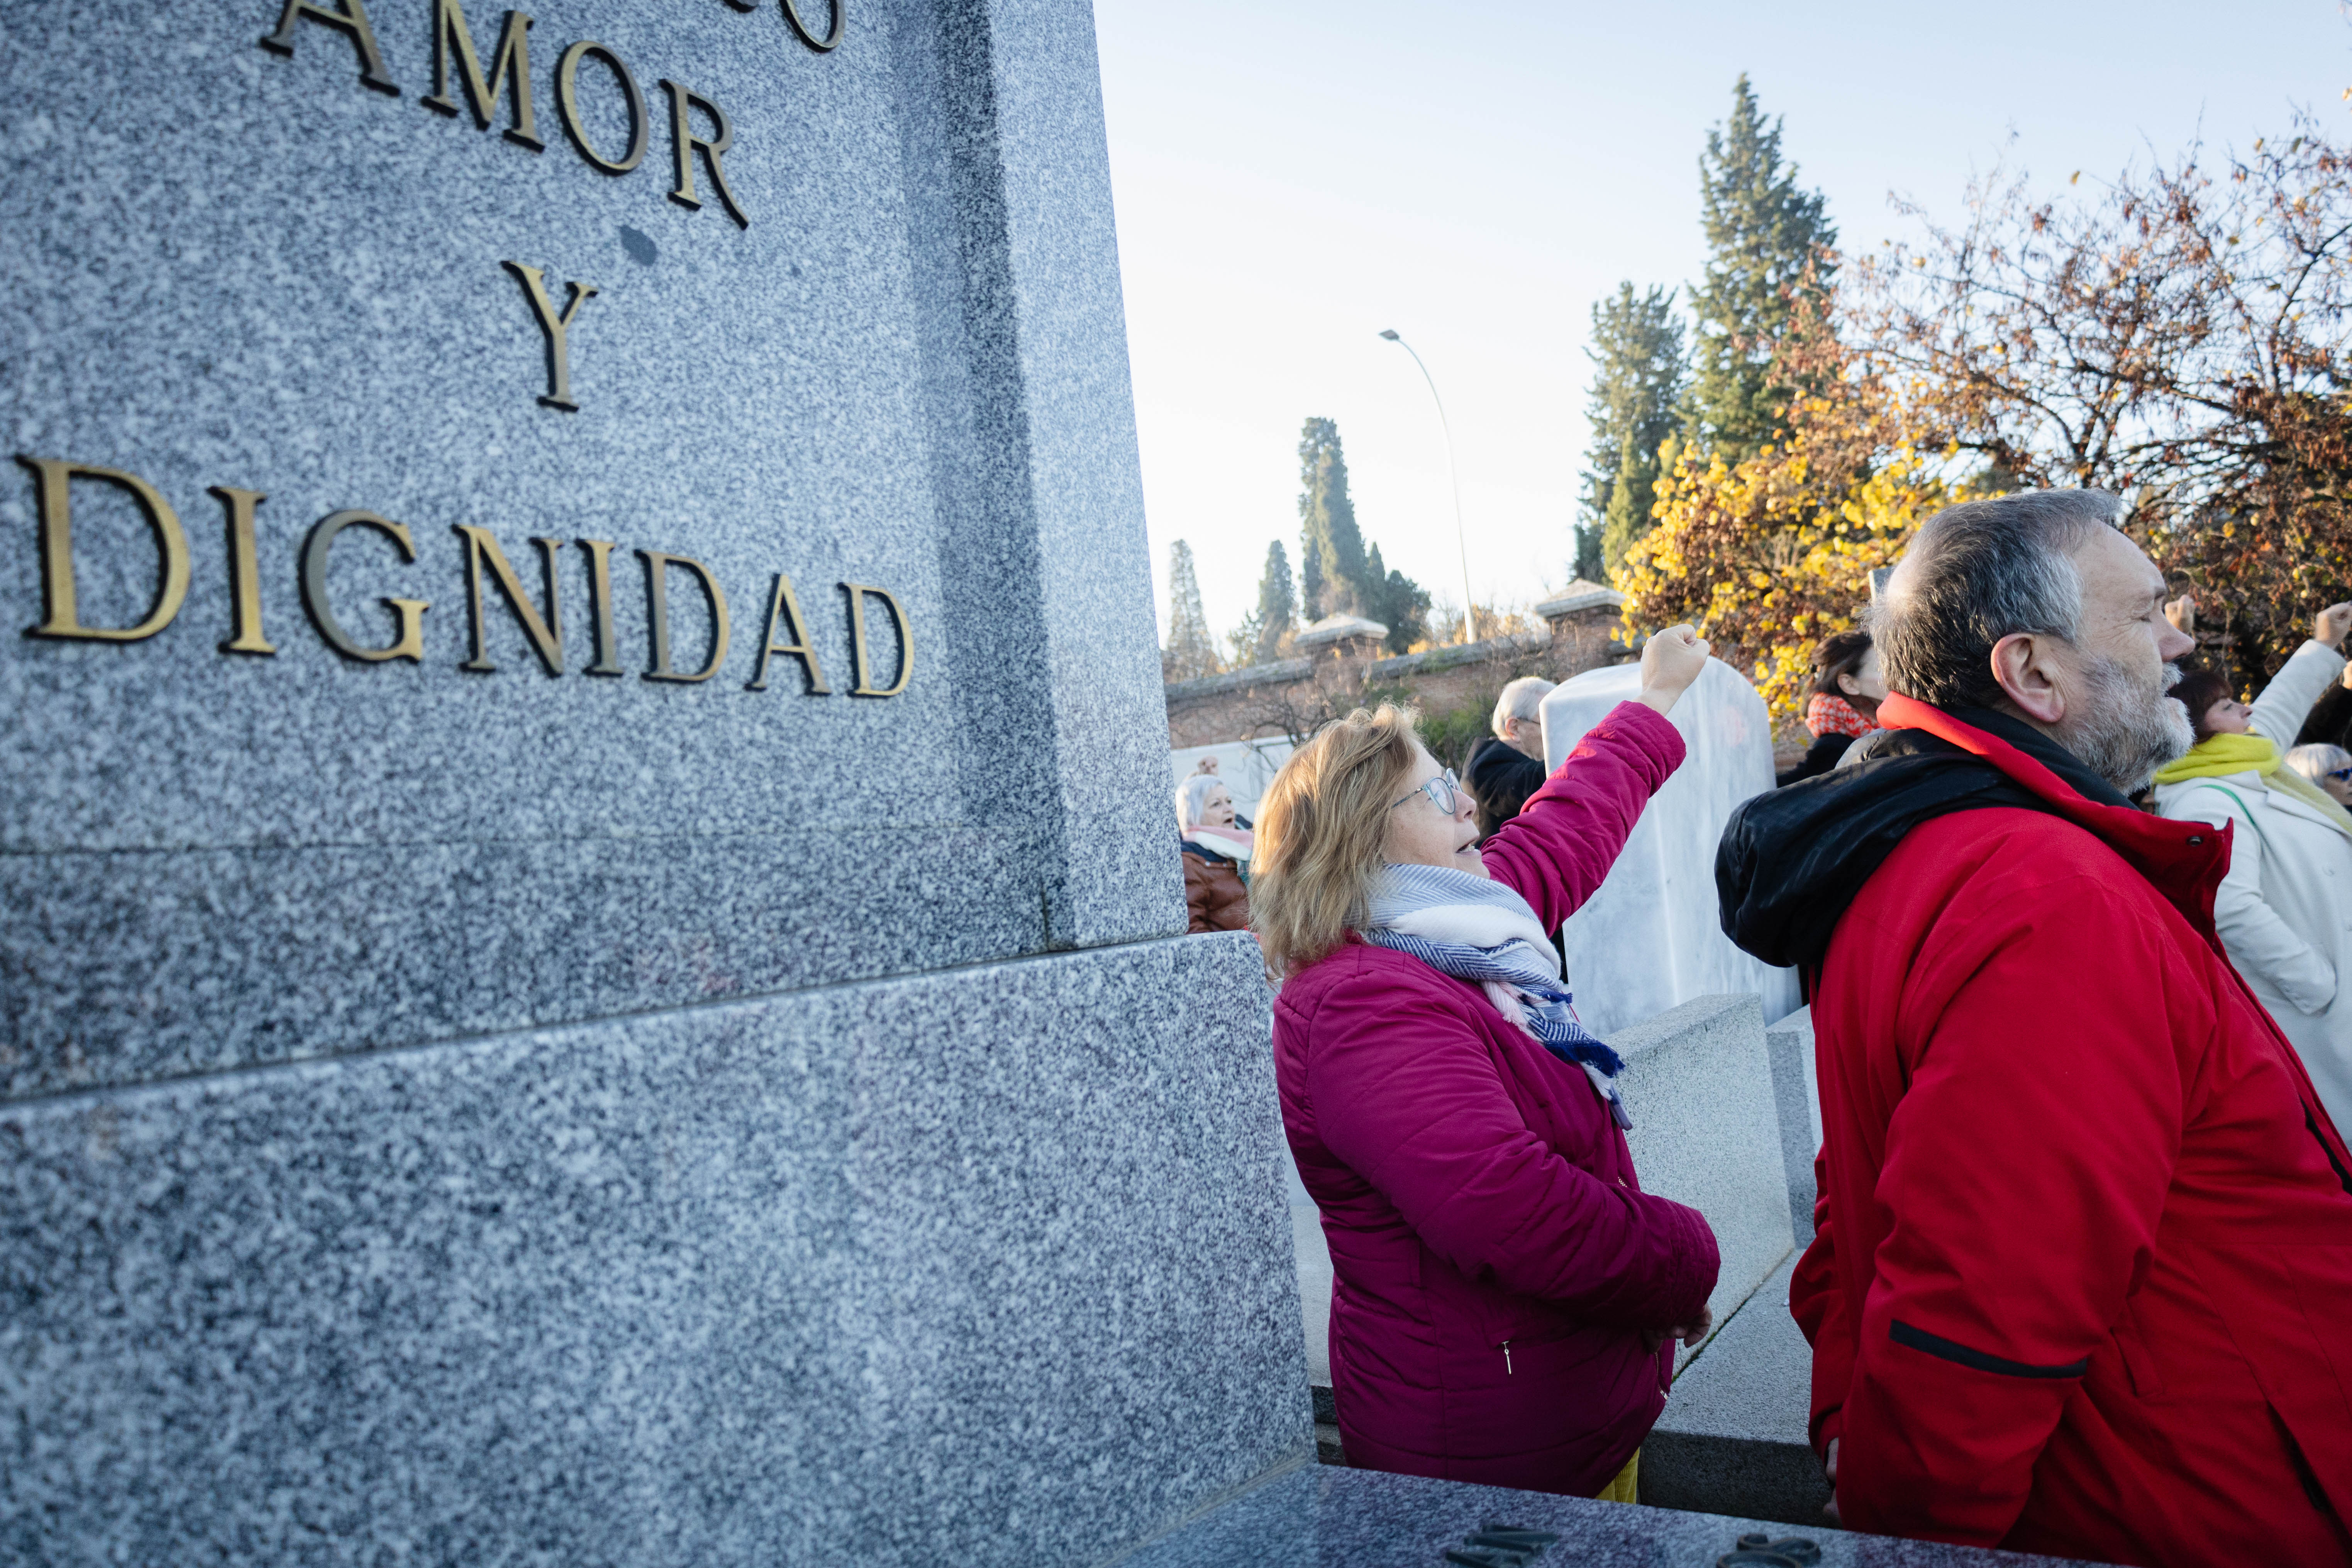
1650	939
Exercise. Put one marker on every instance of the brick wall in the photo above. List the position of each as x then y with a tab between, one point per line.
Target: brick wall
1294	696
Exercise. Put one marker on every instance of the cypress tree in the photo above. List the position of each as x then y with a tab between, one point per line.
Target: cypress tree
1331	551
1337	575
1585	562
1639	376
1762	233
1277	606
1398	603
1190	651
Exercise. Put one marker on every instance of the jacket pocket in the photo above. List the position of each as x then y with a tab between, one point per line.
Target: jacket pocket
2139	1362
2290	1304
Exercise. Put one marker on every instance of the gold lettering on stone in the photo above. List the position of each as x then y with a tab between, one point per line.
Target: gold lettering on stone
60	614
410	644
557	329
683	142
808	34
567	104
546	635
600	606
861	660
347	16
510	65
657	565
785	605
244	573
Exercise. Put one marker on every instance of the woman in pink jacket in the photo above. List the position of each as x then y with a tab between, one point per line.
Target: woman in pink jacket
1504	1294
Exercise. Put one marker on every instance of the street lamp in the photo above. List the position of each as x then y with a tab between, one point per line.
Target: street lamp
1469	609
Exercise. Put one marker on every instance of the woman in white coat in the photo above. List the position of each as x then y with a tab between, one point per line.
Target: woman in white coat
2284	910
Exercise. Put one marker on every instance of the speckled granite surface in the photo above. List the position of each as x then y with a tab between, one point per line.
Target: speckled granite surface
1733	1437
227	267
461	1117
1317	1517
982	1268
1699	1088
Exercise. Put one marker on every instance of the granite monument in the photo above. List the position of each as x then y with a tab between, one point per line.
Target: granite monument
590	967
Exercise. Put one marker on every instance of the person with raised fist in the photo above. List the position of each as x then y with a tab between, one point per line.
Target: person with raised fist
1504	1293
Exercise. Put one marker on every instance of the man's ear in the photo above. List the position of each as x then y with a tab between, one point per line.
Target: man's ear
2026	666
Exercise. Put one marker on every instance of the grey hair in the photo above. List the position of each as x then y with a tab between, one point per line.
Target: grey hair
2315	762
1977	573
1193	798
1522	699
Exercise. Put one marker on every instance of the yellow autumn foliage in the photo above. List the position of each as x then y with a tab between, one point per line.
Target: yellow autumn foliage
1769	555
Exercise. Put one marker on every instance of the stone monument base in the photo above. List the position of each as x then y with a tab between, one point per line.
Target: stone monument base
915	1271
1358	1519
1733	1439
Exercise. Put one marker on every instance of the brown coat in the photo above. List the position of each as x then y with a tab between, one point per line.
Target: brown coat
1214	895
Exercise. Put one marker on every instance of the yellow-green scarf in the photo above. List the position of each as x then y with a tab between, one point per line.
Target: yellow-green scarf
2217	756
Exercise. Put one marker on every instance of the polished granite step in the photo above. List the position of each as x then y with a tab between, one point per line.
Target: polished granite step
1315	1516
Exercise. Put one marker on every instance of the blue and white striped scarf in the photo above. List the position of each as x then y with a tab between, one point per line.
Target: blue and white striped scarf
1478	930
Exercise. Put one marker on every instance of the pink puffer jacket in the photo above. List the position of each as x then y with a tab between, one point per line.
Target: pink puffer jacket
1495	1259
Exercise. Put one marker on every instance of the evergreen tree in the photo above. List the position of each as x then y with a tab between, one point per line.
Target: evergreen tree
1397	601
1586	563
1190	651
1278	607
1639	377
1763	234
1332	553
1337	575
1630	499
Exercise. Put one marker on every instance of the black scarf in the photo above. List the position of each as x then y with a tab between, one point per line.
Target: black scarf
1792	859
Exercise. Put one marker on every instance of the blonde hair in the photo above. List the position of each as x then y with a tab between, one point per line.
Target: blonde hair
1321	827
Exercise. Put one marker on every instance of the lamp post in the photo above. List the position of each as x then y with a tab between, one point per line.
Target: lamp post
1469	608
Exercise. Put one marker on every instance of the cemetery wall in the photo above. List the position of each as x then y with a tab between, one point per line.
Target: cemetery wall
1292	698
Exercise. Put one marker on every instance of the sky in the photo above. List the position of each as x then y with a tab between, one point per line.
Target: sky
1292	176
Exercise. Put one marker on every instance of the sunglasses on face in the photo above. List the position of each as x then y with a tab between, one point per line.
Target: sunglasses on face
2340	774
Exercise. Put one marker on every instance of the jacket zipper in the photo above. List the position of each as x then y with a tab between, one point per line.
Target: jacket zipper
1506	1358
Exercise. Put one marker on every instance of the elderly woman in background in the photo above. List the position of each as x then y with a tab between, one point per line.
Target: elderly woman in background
2329	767
1503	1293
1214	849
2285	910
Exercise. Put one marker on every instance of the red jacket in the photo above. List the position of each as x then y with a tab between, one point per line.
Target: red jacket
1493	1258
2083	1283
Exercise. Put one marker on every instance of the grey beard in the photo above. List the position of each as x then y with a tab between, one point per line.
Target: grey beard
2127	731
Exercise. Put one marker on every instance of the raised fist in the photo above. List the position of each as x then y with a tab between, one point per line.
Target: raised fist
1670	662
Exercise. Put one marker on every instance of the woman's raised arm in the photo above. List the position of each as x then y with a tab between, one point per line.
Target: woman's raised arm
1555	853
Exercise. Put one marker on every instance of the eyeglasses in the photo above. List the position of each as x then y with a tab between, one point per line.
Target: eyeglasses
1445	792
2340	774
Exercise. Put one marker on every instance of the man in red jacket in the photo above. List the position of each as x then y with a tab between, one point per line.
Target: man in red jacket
2083	1282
